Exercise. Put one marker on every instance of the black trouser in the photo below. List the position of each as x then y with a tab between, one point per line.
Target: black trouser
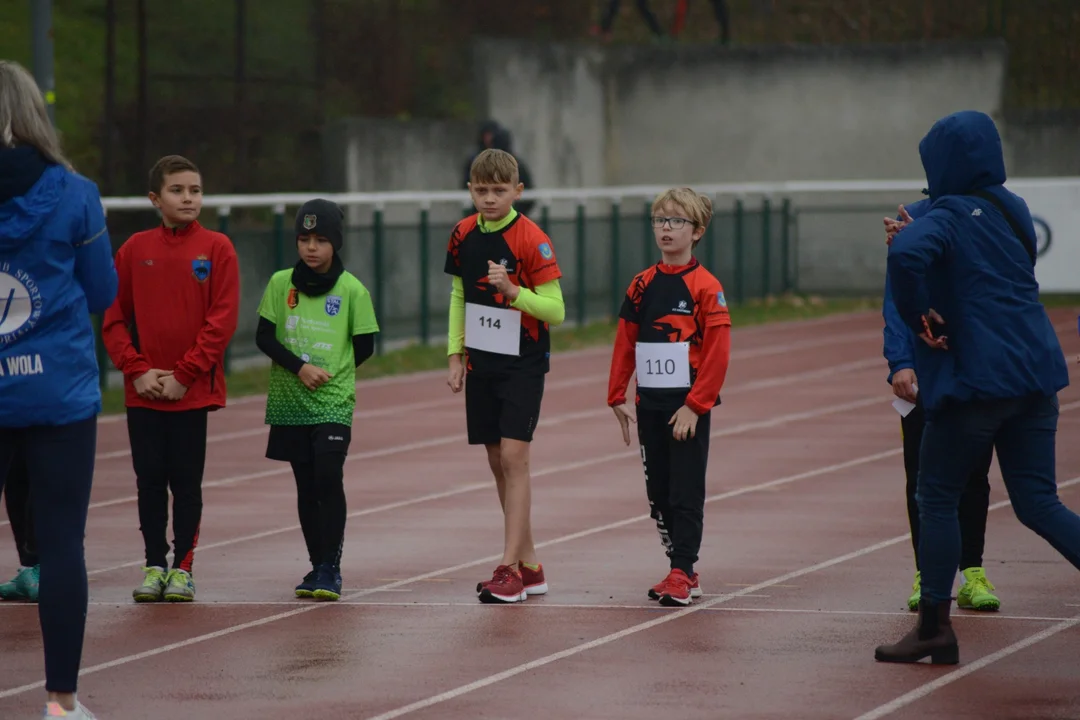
168	451
675	483
974	503
612	9
17	500
317	456
60	466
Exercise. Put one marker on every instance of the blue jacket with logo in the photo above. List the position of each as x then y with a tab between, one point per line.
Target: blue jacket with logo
56	269
962	259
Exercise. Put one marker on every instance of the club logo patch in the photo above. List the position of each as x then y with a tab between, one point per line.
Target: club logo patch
200	268
309	222
333	305
294	299
720	299
545	251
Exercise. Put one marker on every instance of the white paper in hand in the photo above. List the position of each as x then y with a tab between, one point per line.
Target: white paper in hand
903	406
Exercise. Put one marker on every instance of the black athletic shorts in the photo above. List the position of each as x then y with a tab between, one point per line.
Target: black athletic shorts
301	443
502	406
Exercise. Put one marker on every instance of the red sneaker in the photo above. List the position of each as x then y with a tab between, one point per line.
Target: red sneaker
695	588
533	580
505	586
676	590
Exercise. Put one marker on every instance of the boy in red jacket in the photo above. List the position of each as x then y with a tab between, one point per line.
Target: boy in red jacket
174	315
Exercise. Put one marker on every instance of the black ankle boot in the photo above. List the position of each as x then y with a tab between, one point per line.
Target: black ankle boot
933	636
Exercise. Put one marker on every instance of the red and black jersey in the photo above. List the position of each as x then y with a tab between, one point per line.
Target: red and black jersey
669	303
527	254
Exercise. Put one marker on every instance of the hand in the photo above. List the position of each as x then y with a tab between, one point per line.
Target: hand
685	422
149	386
172	389
940	342
313	377
457	373
903	384
625	416
498	277
893	226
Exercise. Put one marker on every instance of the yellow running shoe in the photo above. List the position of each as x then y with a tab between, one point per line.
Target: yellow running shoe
975	592
916	587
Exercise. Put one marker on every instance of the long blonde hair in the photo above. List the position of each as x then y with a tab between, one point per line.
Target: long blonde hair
23	118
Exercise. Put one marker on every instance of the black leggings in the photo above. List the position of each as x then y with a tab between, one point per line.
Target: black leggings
675	483
317	456
974	503
60	467
168	452
17	500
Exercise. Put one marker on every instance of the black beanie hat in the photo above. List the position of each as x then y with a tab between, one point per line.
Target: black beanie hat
324	218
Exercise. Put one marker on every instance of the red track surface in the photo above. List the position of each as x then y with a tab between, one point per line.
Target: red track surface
806	565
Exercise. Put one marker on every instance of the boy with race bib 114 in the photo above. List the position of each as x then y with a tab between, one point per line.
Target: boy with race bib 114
675	332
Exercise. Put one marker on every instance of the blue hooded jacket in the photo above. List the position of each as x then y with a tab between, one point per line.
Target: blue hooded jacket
56	268
962	259
899	345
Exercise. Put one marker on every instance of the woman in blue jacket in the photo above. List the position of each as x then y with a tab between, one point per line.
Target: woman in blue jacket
56	269
990	365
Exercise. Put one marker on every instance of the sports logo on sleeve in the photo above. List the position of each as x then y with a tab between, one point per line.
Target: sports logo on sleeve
545	251
333	305
200	268
720	299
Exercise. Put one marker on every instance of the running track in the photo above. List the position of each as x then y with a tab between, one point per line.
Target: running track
806	565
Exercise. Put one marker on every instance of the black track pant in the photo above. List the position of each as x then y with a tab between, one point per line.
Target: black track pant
675	483
17	500
974	503
317	456
168	451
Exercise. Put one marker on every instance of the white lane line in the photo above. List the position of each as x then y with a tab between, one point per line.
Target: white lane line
641	627
924	690
577	465
442	572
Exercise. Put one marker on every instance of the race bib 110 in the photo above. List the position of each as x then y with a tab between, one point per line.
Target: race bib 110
496	330
663	365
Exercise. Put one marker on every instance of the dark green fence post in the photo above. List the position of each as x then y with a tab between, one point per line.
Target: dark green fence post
104	361
279	237
425	262
785	244
647	237
766	247
710	243
223	228
545	217
616	285
581	264
740	275
377	260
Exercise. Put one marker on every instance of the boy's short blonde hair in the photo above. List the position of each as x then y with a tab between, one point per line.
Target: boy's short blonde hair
698	207
494	167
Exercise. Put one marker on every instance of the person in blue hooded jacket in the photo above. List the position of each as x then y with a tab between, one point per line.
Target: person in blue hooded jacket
56	269
962	278
976	592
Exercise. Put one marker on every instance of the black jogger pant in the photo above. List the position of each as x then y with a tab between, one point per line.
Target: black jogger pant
17	501
675	483
974	503
60	467
317	456
168	452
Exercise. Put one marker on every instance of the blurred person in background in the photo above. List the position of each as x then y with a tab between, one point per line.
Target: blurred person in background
607	20
720	10
56	269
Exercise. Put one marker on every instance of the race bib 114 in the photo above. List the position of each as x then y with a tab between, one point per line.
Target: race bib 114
496	330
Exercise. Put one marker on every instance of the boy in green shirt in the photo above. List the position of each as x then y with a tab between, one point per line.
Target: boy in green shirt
317	324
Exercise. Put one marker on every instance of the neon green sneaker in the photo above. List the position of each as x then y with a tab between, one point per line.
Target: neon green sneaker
916	587
153	586
181	586
975	592
24	586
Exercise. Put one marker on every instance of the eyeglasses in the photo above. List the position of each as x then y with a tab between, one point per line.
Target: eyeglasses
677	223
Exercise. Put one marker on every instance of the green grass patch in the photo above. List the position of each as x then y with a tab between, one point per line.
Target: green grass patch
418	358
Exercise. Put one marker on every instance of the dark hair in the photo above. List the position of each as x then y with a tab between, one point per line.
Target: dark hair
169	165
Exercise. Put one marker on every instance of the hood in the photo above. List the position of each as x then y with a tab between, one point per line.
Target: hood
488	126
503	140
30	189
961	153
